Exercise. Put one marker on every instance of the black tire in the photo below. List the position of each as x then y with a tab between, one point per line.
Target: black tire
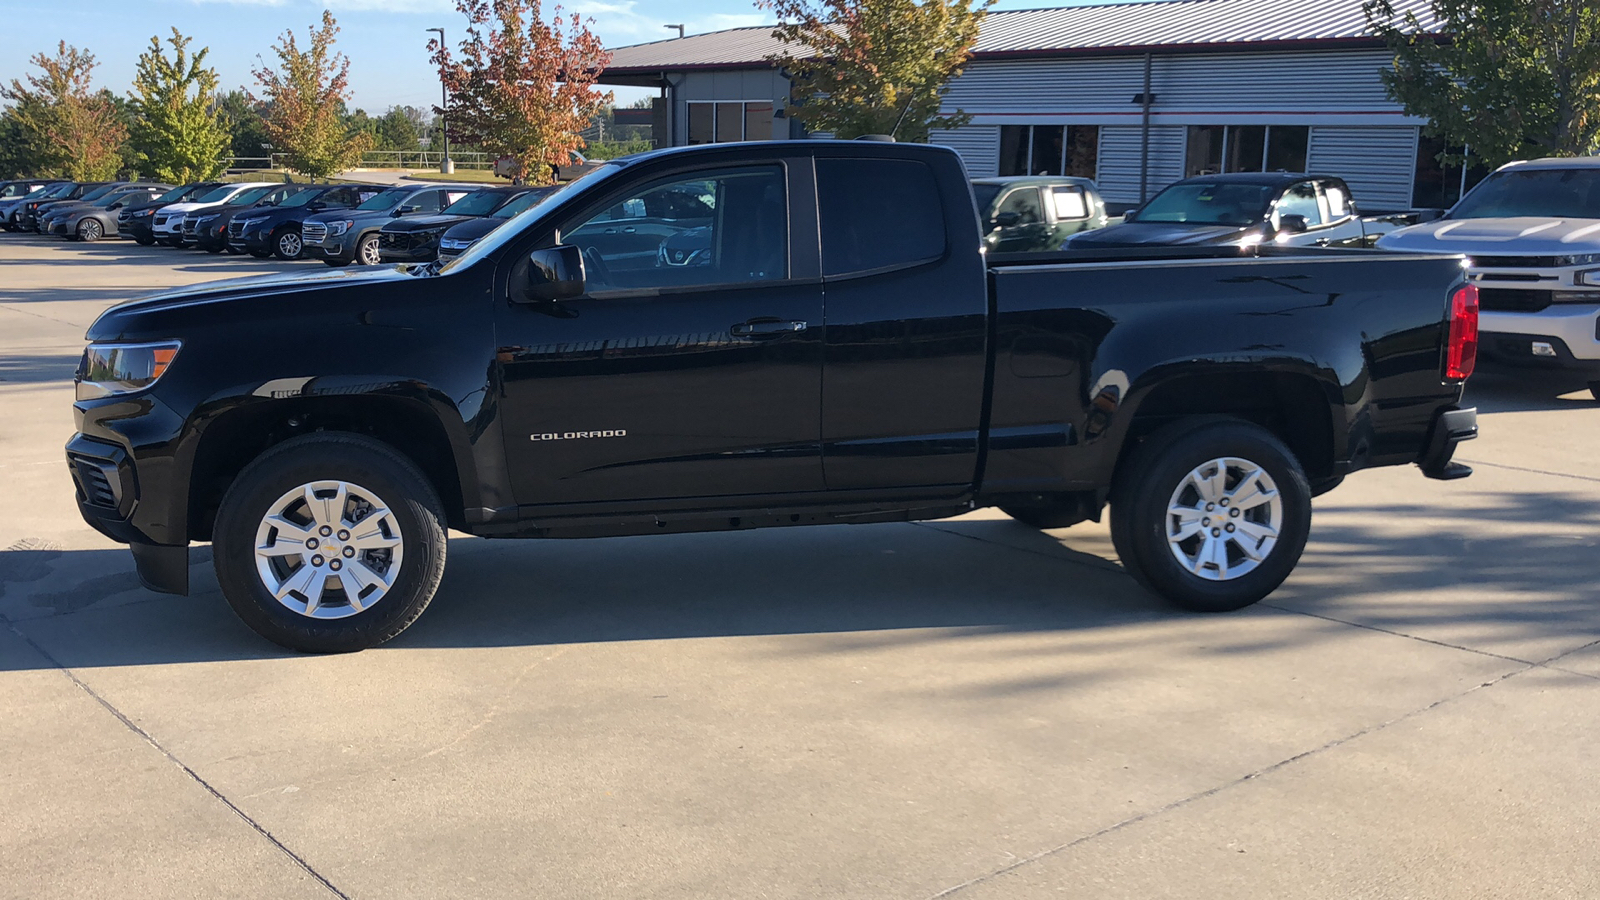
286	245
1145	485
213	249
231	251
336	262
261	254
1043	517
90	230
1594	389
360	461
144	240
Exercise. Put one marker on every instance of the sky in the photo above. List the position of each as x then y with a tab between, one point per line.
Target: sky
385	39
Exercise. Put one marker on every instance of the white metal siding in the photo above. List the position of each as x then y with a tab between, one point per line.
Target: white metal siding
979	146
1302	87
1120	153
1379	163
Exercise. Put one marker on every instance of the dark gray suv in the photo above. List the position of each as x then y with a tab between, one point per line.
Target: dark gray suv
344	236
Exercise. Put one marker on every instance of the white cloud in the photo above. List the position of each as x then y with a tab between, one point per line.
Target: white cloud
620	22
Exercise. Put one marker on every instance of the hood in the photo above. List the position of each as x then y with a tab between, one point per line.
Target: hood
1528	234
363	216
412	224
1139	234
474	228
124	316
187	206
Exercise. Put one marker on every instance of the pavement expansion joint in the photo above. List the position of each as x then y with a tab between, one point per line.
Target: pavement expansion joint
1479	462
193	775
1250	776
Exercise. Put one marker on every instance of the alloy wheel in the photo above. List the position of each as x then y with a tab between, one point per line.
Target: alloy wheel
1223	518
328	549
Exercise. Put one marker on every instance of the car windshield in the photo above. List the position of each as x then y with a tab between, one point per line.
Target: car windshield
218	195
521	203
1210	203
302	198
477	203
13	191
176	194
1545	193
99	192
985	194
251	196
387	199
108	199
525	220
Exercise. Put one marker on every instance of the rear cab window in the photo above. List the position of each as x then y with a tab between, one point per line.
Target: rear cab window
878	214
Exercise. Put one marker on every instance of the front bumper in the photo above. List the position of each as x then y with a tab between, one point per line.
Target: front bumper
210	235
332	246
1450	428
407	248
250	239
1576	326
136	228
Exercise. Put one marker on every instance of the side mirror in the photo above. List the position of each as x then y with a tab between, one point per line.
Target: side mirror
1131	215
316	205
554	273
405	210
1007	219
1292	224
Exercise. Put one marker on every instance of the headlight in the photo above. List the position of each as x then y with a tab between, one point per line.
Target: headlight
338	228
1582	259
108	369
145	212
211	218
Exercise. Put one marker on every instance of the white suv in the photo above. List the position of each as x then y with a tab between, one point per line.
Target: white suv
1532	233
167	223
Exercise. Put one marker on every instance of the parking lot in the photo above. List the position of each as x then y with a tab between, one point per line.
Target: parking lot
966	708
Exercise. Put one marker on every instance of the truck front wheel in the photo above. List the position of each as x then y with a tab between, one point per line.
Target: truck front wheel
329	543
1211	514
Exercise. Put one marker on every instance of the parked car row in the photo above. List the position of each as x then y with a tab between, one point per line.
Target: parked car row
339	224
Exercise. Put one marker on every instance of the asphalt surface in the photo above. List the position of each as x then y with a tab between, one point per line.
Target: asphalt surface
965	709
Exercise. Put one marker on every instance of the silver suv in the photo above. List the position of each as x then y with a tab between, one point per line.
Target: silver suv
1532	233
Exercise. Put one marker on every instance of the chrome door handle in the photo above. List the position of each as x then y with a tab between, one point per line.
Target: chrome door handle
770	327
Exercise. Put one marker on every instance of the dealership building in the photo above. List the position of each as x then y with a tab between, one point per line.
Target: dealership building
1134	95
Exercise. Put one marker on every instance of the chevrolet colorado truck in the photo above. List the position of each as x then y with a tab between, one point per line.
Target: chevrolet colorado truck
1531	231
558	380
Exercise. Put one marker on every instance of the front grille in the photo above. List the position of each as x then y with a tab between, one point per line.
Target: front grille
235	228
1515	262
313	232
390	240
162	220
190	225
1512	300
98	483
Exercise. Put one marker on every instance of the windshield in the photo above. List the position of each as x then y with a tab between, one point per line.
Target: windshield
1545	193
13	191
477	203
523	202
525	220
109	199
218	195
176	194
387	199
302	198
1210	203
250	196
985	194
99	192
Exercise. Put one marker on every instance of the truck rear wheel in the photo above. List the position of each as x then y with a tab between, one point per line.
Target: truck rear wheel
330	543
1594	389
1211	514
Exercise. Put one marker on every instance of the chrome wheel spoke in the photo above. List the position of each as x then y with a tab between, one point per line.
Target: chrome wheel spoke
298	582
1257	532
1183	523
1212	486
352	587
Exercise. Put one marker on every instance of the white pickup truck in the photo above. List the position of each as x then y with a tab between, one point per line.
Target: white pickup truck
1532	233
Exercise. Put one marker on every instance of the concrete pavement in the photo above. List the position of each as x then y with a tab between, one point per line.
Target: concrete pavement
966	708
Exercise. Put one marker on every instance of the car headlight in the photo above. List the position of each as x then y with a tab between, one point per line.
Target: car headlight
144	212
108	369
211	218
1582	259
338	228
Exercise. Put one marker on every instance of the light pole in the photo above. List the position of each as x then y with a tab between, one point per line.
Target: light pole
445	165
679	27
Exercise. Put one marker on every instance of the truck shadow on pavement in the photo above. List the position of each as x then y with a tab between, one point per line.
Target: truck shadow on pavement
1526	390
1506	570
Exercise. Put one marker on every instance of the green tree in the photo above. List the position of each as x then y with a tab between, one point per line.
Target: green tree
246	122
876	66
1510	78
523	87
400	128
305	98
178	134
70	128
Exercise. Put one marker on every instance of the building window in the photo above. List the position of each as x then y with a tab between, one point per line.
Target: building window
1439	186
1050	150
729	121
1246	148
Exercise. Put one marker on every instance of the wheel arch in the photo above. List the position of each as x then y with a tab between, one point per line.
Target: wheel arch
414	427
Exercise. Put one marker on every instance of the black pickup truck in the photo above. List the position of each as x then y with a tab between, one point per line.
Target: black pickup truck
565	377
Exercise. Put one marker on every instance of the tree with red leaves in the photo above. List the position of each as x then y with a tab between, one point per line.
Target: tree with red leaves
523	87
70	128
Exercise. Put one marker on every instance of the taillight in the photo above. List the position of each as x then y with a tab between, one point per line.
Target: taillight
1461	352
